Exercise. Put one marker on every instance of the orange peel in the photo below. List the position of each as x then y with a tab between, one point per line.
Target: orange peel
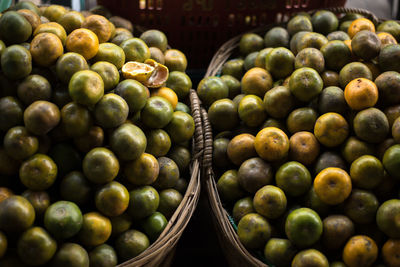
159	75
137	71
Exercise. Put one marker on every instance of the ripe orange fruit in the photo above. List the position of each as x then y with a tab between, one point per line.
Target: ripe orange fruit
168	94
241	148
391	252
100	26
256	81
304	147
360	250
332	185
331	129
359	25
361	93
46	48
84	42
271	144
52	27
386	39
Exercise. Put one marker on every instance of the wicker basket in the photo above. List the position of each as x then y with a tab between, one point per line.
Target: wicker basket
161	252
235	253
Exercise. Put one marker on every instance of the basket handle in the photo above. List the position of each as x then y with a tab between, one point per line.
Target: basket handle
198	148
360	11
208	142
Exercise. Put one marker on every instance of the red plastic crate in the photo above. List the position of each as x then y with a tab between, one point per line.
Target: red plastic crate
199	27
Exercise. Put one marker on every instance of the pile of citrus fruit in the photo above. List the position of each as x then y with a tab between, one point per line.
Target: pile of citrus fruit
306	125
95	137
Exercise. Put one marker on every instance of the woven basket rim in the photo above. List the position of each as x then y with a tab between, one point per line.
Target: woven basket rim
229	240
166	242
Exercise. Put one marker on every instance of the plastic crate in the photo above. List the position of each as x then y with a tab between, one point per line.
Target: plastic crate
199	27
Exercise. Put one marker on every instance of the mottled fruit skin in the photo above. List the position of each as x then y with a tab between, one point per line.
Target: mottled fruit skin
390	252
388	84
276	37
270	201
389	58
157	112
228	186
250	42
86	87
280	62
337	55
158	142
181	127
279	252
168	173
360	250
331	129
310	57
310	257
304	147
254	173
170	199
299	23
242	207
305	84
38	172
256	81
336	230
253	231
241	148
353	71
366	45
41	116
371	125
19	144
332	99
